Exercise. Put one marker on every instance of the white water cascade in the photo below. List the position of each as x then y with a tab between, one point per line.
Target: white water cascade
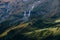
31	7
29	12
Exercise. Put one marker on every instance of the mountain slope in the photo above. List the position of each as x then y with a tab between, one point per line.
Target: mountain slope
30	20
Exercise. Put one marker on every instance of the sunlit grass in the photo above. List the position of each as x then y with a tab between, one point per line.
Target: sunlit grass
13	28
45	32
57	20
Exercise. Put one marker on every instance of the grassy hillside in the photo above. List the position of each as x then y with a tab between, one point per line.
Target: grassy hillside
32	31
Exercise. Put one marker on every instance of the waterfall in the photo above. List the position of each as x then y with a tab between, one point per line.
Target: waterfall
31	7
24	13
27	15
29	12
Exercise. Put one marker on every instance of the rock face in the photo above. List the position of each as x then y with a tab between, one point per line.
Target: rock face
47	8
38	14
